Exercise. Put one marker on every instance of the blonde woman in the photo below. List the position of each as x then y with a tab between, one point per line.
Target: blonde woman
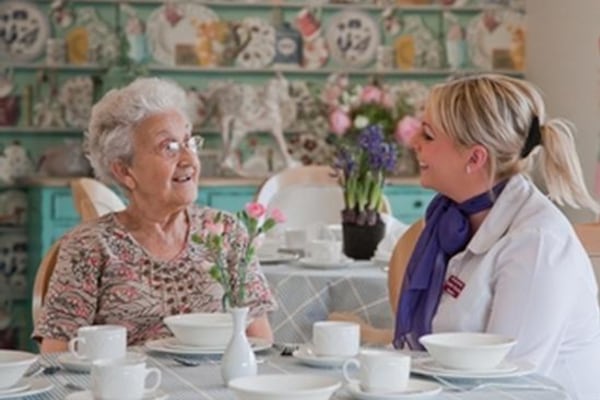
496	255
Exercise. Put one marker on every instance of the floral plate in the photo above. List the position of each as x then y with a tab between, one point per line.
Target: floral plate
353	37
29	28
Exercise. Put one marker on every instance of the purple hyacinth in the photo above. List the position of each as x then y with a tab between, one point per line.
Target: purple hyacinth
371	138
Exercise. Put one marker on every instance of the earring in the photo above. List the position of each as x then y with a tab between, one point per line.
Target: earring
468	169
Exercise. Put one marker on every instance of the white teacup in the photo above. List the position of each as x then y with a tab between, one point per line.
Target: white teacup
269	247
99	342
123	378
325	250
380	370
295	238
336	338
331	232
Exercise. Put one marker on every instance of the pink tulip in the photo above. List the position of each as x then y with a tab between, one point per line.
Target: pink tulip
339	122
255	210
214	228
371	94
406	128
277	215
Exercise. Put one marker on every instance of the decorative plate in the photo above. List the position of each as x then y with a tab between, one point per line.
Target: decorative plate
412	93
77	96
25	29
417	46
173	26
352	37
496	39
260	51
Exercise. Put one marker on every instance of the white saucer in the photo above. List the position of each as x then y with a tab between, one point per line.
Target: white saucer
166	345
305	355
279	258
36	386
87	395
427	366
416	389
309	262
174	344
20	386
74	364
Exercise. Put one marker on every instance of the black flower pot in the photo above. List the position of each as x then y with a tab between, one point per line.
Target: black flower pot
360	241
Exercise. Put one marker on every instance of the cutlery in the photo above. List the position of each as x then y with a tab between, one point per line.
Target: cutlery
286	349
449	386
43	369
194	362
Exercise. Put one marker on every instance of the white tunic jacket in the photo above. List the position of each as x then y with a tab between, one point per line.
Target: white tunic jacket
527	276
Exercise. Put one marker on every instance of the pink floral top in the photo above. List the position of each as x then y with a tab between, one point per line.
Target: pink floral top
103	276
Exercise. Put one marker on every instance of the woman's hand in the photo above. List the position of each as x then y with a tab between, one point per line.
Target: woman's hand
53	346
261	328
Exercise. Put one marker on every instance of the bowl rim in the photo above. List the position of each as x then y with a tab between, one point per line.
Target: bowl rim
506	341
333	384
28	359
179	319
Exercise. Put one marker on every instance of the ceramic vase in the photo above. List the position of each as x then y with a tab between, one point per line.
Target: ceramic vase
238	359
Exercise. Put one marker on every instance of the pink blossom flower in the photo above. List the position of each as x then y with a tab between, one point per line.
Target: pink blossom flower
387	100
255	210
214	228
371	94
277	215
406	128
339	122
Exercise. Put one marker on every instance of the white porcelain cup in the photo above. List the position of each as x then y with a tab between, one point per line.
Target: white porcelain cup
331	232
379	370
325	250
269	247
336	338
123	378
99	342
295	238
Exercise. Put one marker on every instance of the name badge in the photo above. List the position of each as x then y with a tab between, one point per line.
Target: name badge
453	286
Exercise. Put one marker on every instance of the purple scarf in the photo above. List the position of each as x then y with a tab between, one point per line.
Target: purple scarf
447	232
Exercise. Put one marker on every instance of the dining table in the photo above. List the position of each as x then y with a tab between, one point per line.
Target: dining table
307	293
203	380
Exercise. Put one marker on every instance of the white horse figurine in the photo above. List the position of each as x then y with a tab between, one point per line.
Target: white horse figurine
242	108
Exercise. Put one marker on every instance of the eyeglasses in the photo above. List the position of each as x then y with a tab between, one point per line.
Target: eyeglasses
172	148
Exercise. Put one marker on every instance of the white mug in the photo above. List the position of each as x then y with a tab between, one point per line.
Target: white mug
336	338
325	250
123	378
380	370
295	238
98	342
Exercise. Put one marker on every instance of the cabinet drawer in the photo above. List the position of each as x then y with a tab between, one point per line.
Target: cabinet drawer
412	203
62	206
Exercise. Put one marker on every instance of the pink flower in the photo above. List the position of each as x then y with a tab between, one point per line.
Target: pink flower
214	228
339	122
406	128
277	215
371	94
255	210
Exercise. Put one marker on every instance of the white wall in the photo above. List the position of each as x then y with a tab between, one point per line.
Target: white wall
563	60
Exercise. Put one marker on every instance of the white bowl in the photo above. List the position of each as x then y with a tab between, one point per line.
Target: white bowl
467	350
201	329
13	365
284	387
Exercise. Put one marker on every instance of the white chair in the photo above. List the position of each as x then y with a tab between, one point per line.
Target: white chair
93	199
307	195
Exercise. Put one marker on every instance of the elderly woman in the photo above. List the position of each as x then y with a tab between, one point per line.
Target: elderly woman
496	255
139	265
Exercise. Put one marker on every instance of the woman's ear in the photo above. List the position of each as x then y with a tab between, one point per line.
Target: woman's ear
478	158
122	173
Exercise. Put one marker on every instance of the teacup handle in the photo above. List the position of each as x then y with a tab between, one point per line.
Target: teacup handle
347	363
74	348
155	371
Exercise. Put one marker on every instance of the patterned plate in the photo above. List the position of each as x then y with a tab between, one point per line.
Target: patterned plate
25	30
352	37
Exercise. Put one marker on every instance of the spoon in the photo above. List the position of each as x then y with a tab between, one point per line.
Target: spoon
194	362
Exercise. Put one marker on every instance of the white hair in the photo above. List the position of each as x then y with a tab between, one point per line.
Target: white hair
110	132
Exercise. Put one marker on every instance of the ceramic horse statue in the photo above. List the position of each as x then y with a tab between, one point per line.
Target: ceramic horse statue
239	109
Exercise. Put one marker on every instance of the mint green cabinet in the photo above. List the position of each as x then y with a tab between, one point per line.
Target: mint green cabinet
227	198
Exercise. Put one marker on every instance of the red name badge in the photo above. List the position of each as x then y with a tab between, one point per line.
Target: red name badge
453	286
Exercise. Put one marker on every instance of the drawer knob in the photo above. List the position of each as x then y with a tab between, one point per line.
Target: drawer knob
418	204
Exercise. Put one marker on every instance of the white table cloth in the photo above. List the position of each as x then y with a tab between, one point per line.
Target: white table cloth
204	381
306	295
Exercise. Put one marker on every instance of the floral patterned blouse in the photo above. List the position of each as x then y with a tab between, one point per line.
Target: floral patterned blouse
103	276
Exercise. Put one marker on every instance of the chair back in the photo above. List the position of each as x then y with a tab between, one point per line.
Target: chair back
307	195
42	279
399	261
93	199
589	235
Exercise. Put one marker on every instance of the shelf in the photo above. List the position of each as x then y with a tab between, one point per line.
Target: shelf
9	229
8	130
301	4
273	70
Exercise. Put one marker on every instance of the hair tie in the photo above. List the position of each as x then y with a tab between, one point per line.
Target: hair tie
534	137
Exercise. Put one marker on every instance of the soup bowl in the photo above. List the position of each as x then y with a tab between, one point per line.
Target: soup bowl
201	329
13	365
